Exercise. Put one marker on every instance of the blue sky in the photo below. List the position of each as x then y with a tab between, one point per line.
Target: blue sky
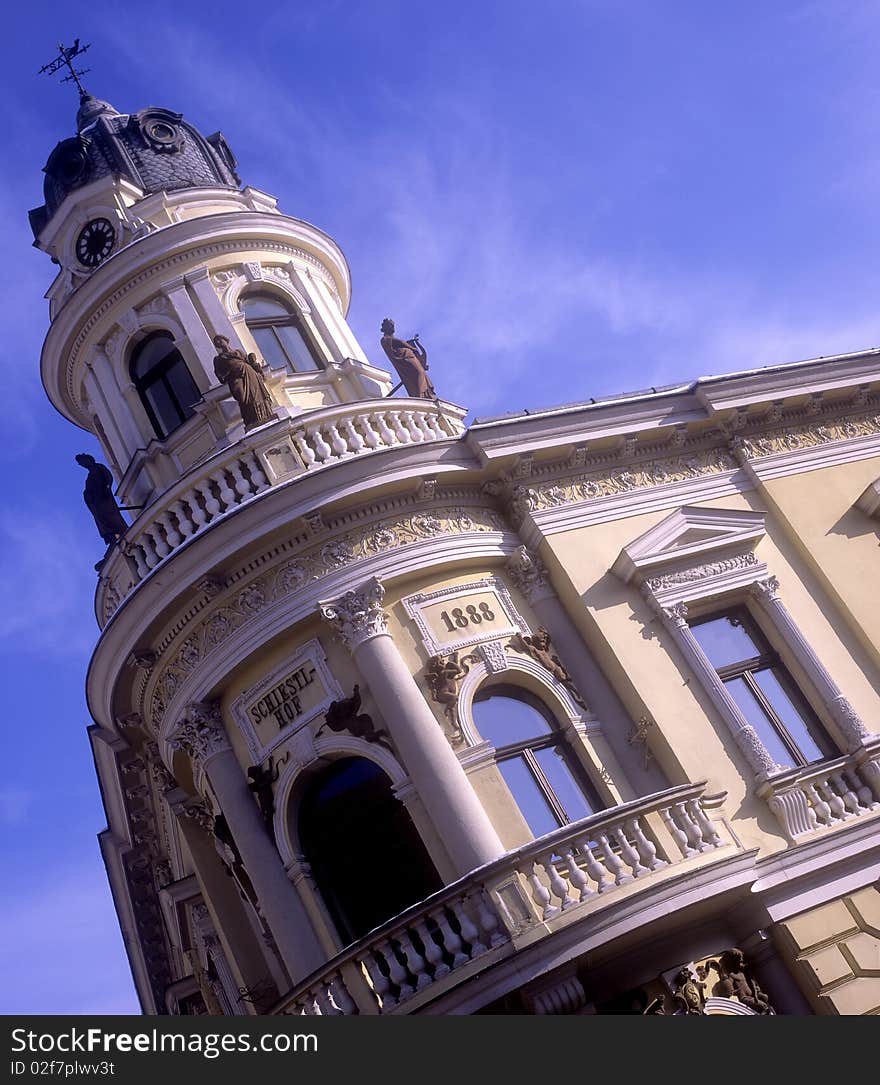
565	200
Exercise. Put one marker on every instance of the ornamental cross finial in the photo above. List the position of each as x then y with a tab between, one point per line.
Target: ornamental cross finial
65	58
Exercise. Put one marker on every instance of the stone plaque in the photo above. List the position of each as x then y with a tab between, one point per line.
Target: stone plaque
455	617
287	699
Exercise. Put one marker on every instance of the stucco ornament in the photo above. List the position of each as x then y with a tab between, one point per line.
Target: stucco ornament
528	572
200	734
357	616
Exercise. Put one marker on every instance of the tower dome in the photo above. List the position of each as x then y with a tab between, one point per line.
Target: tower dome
154	149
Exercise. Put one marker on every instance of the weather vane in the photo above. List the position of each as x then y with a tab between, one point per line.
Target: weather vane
65	57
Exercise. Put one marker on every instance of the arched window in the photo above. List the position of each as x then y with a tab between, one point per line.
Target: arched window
543	777
365	854
278	333
163	382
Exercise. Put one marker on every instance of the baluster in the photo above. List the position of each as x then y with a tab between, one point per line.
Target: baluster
838	810
645	847
308	1006
227	497
400	433
421	421
675	832
258	479
540	893
242	486
212	505
695	837
377	978
488	920
411	425
433	424
161	546
469	931
370	435
139	552
322	450
304	448
382	425
396	971
172	535
341	997
415	962
187	527
451	941
355	441
325	1003
822	809
629	853
433	953
707	828
576	876
594	868
199	515
612	863
558	885
339	446
850	801
862	791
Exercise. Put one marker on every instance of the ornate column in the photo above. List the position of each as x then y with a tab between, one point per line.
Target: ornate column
202	736
850	724
451	803
674	618
529	574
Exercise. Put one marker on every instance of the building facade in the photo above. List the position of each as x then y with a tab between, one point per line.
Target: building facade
568	711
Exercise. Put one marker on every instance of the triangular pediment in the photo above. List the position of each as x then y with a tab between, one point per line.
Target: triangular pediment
689	533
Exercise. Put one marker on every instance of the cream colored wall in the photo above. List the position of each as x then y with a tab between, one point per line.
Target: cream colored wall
834	953
651	676
837	540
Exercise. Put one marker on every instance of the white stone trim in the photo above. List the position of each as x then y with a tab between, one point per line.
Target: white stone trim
869	501
415	604
310	652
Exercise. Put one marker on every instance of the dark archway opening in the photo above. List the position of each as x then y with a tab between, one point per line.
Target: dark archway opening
365	854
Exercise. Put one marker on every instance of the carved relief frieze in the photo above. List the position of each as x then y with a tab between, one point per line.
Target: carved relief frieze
310	565
794	437
701	572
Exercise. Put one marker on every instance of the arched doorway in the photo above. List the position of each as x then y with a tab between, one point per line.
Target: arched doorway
365	854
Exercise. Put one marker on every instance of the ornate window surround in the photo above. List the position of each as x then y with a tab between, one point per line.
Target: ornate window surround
575	725
701	556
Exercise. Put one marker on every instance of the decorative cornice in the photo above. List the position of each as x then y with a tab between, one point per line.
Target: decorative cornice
794	437
357	616
293	571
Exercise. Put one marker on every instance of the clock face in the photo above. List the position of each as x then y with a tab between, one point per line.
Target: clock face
95	242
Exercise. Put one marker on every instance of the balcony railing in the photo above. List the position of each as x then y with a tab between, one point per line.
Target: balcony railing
265	458
478	920
826	794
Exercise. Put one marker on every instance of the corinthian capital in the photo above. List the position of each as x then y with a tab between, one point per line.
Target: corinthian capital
357	615
528	572
200	734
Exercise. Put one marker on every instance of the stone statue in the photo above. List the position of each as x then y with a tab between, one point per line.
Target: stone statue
537	645
410	359
734	981
344	715
443	674
99	499
260	782
242	375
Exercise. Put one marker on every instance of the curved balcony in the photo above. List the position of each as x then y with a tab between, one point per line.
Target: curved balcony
528	895
264	458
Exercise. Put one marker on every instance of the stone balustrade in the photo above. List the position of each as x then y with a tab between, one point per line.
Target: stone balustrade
825	794
260	460
473	923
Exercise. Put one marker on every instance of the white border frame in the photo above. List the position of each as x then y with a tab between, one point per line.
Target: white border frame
415	604
312	652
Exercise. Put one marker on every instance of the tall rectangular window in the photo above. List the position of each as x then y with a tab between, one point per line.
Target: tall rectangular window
762	688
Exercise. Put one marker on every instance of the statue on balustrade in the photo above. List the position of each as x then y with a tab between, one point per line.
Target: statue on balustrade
242	374
99	499
410	359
